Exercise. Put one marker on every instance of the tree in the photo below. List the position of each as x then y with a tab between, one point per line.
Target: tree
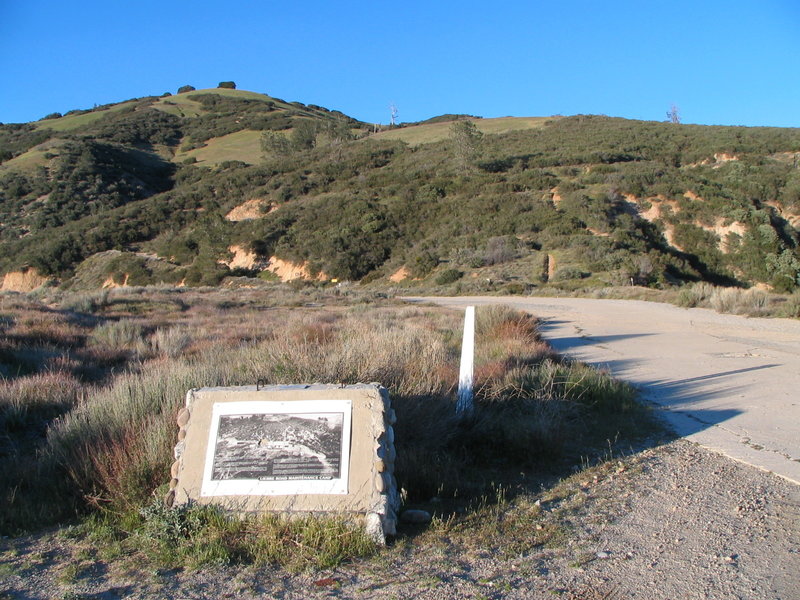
186	88
274	142
304	134
338	131
784	270
466	140
673	116
227	85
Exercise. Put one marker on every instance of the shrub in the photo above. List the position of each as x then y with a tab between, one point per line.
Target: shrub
86	303
695	295
791	306
449	276
170	342
186	88
230	85
566	273
30	402
125	334
739	301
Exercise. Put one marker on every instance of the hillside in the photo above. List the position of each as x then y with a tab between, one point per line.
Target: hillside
204	184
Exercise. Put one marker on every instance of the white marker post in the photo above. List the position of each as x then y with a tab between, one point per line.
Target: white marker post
464	403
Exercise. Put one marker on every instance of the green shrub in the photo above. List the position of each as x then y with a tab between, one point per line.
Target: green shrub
449	276
566	273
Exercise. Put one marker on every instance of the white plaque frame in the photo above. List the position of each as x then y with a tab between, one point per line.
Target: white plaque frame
303	409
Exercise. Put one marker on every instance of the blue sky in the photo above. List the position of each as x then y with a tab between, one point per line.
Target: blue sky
730	63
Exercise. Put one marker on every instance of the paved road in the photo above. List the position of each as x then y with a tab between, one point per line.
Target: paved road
731	384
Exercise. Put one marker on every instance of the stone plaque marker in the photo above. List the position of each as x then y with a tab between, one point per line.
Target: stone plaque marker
289	448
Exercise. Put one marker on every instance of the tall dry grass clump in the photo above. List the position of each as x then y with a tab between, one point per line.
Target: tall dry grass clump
732	300
30	402
696	294
170	341
125	334
739	302
529	405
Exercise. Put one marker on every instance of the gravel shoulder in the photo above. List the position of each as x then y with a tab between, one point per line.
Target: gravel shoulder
675	521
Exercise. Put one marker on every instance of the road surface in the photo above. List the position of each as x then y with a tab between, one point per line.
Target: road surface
729	383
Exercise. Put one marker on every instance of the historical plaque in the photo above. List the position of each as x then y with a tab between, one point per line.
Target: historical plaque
290	448
271	448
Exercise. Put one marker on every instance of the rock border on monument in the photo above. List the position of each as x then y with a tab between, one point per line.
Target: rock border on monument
368	490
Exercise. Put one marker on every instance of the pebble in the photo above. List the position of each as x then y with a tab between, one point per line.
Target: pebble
603	555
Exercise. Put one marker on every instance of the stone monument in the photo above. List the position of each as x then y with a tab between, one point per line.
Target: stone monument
320	449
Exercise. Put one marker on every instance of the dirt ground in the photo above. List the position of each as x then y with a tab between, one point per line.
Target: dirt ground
675	521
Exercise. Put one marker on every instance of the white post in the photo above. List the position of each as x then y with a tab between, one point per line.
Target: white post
464	404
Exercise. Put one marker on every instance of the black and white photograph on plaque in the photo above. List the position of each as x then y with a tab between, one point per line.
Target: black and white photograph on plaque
278	448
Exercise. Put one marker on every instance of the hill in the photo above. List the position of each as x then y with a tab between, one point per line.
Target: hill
193	187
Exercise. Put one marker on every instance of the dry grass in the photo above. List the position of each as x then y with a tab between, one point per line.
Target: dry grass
111	448
737	301
435	132
242	145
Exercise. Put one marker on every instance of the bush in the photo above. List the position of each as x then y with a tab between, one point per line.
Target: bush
170	342
738	301
695	295
186	88
119	335
449	276
230	85
567	273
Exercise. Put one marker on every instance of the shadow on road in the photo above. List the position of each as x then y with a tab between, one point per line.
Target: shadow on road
563	344
680	396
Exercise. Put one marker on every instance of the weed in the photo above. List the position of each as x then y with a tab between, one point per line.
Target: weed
738	301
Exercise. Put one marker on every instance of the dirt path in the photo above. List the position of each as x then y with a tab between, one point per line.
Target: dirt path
729	383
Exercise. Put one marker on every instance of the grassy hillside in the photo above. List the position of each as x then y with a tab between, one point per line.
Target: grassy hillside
566	202
426	133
